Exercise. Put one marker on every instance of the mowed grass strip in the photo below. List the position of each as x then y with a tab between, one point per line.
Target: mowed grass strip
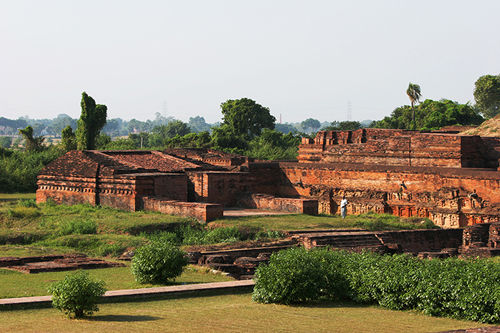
304	222
228	313
14	196
15	284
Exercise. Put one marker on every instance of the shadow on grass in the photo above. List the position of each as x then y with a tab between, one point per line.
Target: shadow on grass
123	318
332	304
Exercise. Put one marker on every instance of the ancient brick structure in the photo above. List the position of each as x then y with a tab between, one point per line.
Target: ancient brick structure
477	240
188	182
454	180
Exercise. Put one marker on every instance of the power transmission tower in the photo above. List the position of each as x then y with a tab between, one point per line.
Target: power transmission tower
349	110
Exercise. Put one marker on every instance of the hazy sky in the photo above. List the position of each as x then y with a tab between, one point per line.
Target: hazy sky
299	58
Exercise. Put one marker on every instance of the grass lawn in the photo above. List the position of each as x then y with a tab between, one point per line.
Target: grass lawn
13	196
300	221
228	313
102	231
15	284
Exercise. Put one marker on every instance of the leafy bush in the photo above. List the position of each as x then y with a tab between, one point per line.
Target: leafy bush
462	289
291	276
158	262
77	294
81	227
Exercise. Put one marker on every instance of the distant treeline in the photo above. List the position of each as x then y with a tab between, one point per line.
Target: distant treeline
119	127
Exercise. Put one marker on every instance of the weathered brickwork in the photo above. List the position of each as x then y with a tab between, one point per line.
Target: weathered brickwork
270	202
401	147
451	179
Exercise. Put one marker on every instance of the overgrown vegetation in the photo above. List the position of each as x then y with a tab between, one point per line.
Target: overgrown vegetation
18	169
158	262
430	115
462	289
77	295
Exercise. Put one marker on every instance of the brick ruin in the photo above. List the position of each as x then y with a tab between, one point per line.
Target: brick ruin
451	179
480	240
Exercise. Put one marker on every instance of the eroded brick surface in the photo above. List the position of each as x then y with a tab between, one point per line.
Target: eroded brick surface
452	180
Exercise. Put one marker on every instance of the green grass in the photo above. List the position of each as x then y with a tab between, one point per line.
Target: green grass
103	231
228	313
15	284
11	196
304	222
27	250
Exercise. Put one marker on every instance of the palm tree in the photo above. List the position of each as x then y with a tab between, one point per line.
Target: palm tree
414	94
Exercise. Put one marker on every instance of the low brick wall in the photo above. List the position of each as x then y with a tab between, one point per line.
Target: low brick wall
269	202
201	211
415	241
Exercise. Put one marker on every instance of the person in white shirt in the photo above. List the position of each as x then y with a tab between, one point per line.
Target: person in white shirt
343	207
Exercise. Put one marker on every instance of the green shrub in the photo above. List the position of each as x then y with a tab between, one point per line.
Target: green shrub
77	294
158	262
291	276
462	289
81	227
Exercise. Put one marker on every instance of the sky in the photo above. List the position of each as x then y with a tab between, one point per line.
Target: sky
300	59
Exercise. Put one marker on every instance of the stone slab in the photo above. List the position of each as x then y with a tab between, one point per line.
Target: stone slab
124	294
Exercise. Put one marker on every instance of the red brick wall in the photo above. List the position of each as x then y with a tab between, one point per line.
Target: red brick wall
172	186
399	147
439	194
217	186
269	202
201	211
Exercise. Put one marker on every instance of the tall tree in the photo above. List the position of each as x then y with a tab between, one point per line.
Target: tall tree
310	125
92	120
245	117
487	95
31	143
414	94
68	139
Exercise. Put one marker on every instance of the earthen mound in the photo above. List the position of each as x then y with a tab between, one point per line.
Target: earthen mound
490	127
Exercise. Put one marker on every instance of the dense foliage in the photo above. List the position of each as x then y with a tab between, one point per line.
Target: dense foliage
18	169
31	143
68	139
158	262
343	126
462	289
92	120
246	117
77	295
431	115
292	276
487	95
